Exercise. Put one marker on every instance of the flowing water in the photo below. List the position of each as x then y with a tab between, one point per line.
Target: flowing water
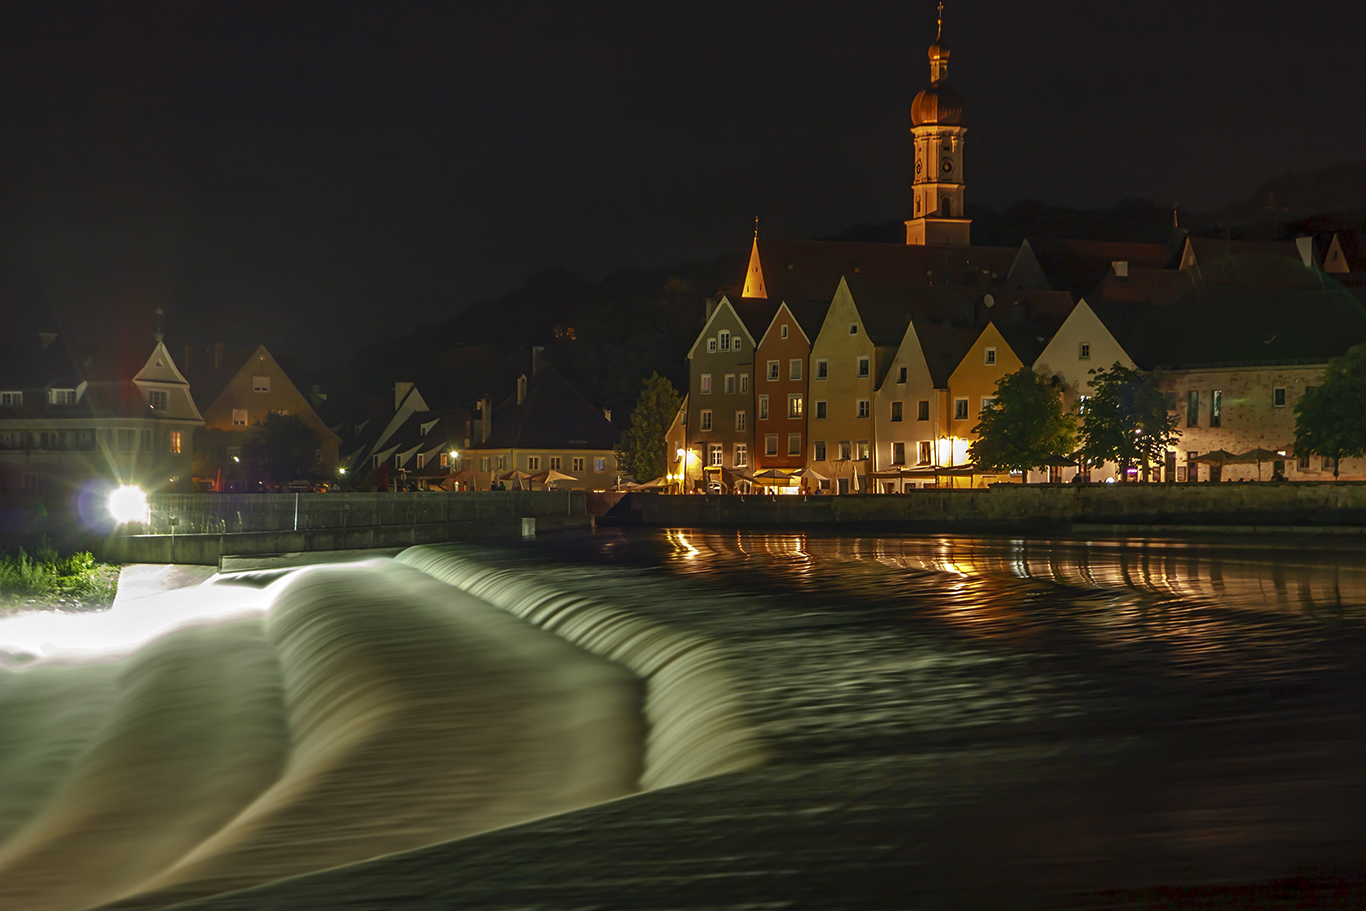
902	720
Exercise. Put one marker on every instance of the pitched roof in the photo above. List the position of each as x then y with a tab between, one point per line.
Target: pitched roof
554	415
1079	265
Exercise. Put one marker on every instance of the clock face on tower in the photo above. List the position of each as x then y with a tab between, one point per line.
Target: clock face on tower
917	165
947	165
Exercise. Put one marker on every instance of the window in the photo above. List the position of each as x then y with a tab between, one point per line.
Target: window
960	409
421	460
145	440
782	331
1084	351
260	384
990	356
763	408
794	369
740	422
794	406
1193	408
445	460
822	369
986	401
174	442
11	399
63	396
600	465
794	444
714	454
863	366
896	412
901	375
1278	397
853	328
820	411
744	384
818	451
735	343
706	384
862	451
925	452
741	455
239	417
922	410
711	346
846	450
706	419
576	463
483	463
557	463
502	463
724	338
772	370
1216	408
1302	461
1328	464
898	453
158	399
533	463
729	384
770	444
863	410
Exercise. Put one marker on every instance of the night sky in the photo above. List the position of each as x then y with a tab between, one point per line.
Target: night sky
316	175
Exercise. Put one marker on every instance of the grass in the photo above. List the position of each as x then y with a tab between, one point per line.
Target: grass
48	581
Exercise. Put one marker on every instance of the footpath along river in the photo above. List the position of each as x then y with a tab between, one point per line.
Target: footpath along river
953	722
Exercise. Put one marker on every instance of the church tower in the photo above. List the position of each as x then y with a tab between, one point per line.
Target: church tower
938	122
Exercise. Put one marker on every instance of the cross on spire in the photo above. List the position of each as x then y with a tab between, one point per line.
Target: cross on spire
940	33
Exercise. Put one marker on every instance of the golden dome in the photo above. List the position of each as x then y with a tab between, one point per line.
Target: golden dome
939	104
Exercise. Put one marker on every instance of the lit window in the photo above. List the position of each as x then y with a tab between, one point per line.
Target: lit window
260	384
896	412
741	455
1278	397
174	442
863	408
1084	351
794	444
740	422
794	406
990	356
445	460
715	454
986	400
794	369
864	450
770	444
863	366
821	407
846	450
924	452
600	465
706	383
421	460
960	409
158	399
763	408
706	419
772	370
239	417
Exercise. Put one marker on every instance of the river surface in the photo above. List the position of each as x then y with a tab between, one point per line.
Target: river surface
952	722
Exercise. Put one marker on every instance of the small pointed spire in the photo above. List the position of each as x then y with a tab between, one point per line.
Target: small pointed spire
938	35
756	227
1175	223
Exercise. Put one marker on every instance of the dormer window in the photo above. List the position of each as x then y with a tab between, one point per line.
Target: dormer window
11	399
158	399
62	396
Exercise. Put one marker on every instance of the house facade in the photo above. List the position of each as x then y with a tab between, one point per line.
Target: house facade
910	414
780	390
720	419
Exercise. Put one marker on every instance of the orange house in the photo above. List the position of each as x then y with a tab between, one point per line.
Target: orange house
780	364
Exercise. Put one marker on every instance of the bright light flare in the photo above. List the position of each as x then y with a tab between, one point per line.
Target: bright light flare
128	504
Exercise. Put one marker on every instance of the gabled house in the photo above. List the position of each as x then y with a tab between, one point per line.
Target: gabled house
780	386
63	425
241	388
548	426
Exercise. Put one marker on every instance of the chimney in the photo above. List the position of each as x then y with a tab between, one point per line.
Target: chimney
521	389
537	355
1121	267
711	306
485	418
217	355
400	392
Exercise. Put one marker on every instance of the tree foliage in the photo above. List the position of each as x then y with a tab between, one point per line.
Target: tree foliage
1024	425
1330	419
1127	420
642	449
283	448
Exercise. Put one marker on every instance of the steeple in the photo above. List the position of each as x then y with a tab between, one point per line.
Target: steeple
938	125
754	275
939	52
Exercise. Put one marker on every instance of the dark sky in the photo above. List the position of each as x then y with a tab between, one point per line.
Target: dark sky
315	175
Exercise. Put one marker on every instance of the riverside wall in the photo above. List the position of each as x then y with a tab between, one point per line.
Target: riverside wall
202	528
1018	507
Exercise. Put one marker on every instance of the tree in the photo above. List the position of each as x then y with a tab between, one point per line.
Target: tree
1330	419
282	448
1024	425
642	448
1126	420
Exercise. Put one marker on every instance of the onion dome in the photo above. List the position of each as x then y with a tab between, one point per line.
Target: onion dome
940	103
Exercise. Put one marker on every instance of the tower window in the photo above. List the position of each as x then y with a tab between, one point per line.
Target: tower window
945	207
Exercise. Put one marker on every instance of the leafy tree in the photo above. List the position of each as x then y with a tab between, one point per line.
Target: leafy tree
1330	419
1126	420
642	448
1024	425
283	448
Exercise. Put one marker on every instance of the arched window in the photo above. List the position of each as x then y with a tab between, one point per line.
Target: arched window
724	335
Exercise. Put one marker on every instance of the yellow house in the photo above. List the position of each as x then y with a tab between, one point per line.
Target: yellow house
971	386
243	387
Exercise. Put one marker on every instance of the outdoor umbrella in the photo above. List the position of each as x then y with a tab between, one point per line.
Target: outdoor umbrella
810	474
1259	455
1058	461
1220	457
554	475
772	473
657	482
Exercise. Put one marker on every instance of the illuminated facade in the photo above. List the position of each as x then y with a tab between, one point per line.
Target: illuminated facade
780	392
938	127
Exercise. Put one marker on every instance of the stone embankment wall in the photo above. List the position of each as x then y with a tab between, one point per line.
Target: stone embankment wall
1007	507
200	528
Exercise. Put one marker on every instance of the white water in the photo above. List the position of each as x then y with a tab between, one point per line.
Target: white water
222	736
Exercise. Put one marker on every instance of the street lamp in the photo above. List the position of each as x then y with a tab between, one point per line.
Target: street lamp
128	504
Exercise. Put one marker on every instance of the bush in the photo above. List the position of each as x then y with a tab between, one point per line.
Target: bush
76	581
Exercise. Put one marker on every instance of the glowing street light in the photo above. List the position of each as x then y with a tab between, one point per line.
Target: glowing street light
128	504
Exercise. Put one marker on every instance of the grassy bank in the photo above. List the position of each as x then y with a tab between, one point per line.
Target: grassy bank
46	580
